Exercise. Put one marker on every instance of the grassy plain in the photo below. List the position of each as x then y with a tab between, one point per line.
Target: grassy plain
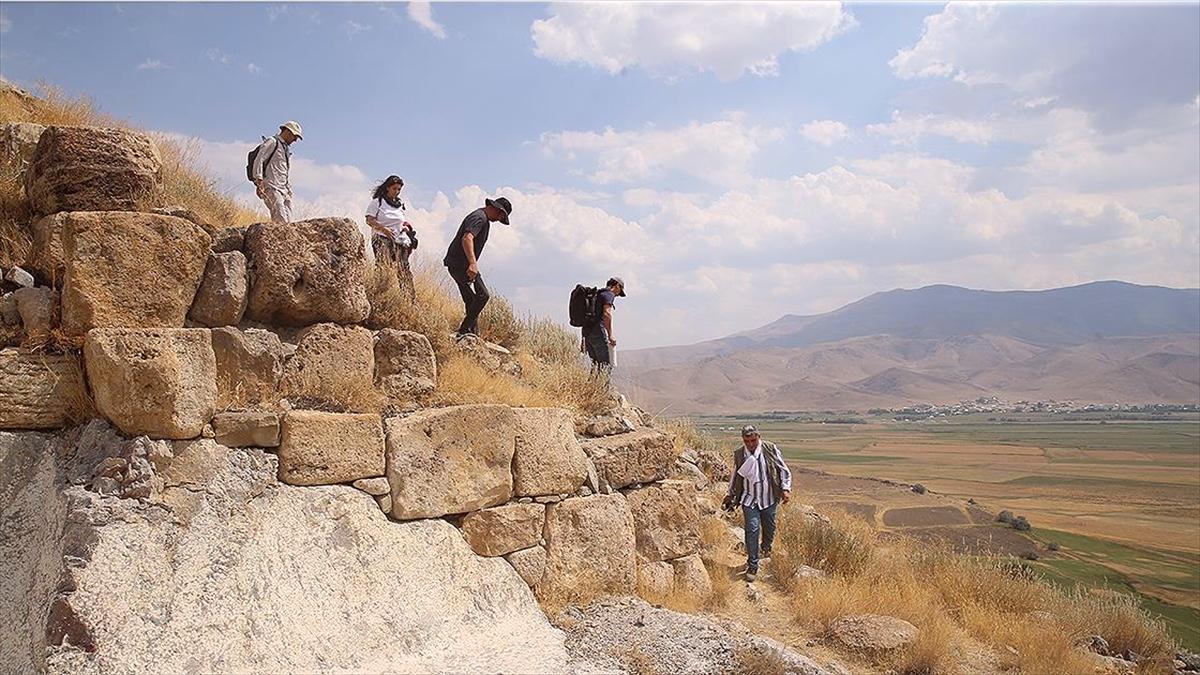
1121	499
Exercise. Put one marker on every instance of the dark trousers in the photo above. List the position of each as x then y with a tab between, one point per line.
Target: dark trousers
596	342
474	295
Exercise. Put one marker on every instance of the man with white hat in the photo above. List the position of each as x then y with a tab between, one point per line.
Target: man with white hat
269	171
761	479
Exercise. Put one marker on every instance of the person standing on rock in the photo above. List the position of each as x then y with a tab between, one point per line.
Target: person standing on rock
462	260
760	481
393	238
598	340
269	171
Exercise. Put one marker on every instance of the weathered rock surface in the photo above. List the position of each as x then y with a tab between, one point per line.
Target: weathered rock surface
228	239
873	633
47	256
504	529
665	519
18	140
306	272
375	486
221	298
629	635
155	381
37	391
38	307
548	459
609	424
249	365
405	366
692	582
530	563
589	548
248	428
249	575
643	456
655	580
331	365
92	169
132	270
321	448
450	460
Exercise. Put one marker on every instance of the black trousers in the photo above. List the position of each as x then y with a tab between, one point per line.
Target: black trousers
474	295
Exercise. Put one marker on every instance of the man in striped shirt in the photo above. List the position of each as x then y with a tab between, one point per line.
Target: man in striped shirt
761	479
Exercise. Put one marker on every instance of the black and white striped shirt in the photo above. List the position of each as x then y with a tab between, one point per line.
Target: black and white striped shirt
758	494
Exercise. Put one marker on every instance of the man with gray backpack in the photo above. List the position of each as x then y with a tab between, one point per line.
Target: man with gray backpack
268	166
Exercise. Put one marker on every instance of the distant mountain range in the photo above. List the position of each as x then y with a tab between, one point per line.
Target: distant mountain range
1103	342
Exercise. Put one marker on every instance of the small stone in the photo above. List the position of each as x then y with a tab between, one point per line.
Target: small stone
548	499
525	500
254	428
384	502
20	277
373	486
530	564
208	431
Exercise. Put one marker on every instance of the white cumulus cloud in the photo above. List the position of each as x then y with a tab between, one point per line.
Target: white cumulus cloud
909	128
824	132
152	64
672	39
422	14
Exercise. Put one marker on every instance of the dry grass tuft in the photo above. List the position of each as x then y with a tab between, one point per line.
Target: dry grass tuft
758	659
461	379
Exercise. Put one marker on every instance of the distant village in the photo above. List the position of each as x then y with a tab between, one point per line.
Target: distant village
993	405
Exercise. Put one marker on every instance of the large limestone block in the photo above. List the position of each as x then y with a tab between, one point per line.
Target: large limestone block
655	580
589	548
450	460
530	564
321	448
330	365
225	570
642	456
405	366
548	459
38	391
666	520
221	298
93	169
692	583
504	529
160	382
130	270
306	272
249	365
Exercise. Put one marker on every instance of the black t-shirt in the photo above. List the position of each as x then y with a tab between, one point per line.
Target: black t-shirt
604	298
477	224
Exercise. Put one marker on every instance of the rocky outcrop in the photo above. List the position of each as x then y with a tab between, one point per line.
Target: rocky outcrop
589	548
450	460
302	579
158	382
642	456
249	365
873	633
306	272
629	635
547	459
504	529
405	367
221	298
38	391
136	270
93	169
666	520
243	429
331	365
321	448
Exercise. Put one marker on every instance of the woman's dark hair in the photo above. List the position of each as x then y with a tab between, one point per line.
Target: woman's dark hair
381	191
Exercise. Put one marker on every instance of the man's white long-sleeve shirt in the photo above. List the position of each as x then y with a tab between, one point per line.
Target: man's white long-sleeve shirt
274	172
756	482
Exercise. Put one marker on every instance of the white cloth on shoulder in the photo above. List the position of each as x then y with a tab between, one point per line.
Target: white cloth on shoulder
749	468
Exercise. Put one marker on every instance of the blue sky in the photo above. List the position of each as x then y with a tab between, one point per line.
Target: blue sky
734	162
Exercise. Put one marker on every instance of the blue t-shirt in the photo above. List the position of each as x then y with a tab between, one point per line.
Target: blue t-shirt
605	298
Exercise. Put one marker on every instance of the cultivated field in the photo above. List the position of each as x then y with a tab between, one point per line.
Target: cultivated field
1121	499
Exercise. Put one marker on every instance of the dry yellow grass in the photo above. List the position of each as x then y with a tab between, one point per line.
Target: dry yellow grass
956	601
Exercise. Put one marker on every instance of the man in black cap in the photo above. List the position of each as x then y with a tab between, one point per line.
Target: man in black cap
462	259
760	481
598	340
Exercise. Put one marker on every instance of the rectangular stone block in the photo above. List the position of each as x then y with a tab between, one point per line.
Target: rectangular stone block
504	529
321	448
249	429
38	390
642	456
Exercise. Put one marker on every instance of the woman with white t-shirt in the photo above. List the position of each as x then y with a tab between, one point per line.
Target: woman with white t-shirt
393	238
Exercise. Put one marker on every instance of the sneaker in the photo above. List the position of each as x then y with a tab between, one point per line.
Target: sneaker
751	574
459	337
